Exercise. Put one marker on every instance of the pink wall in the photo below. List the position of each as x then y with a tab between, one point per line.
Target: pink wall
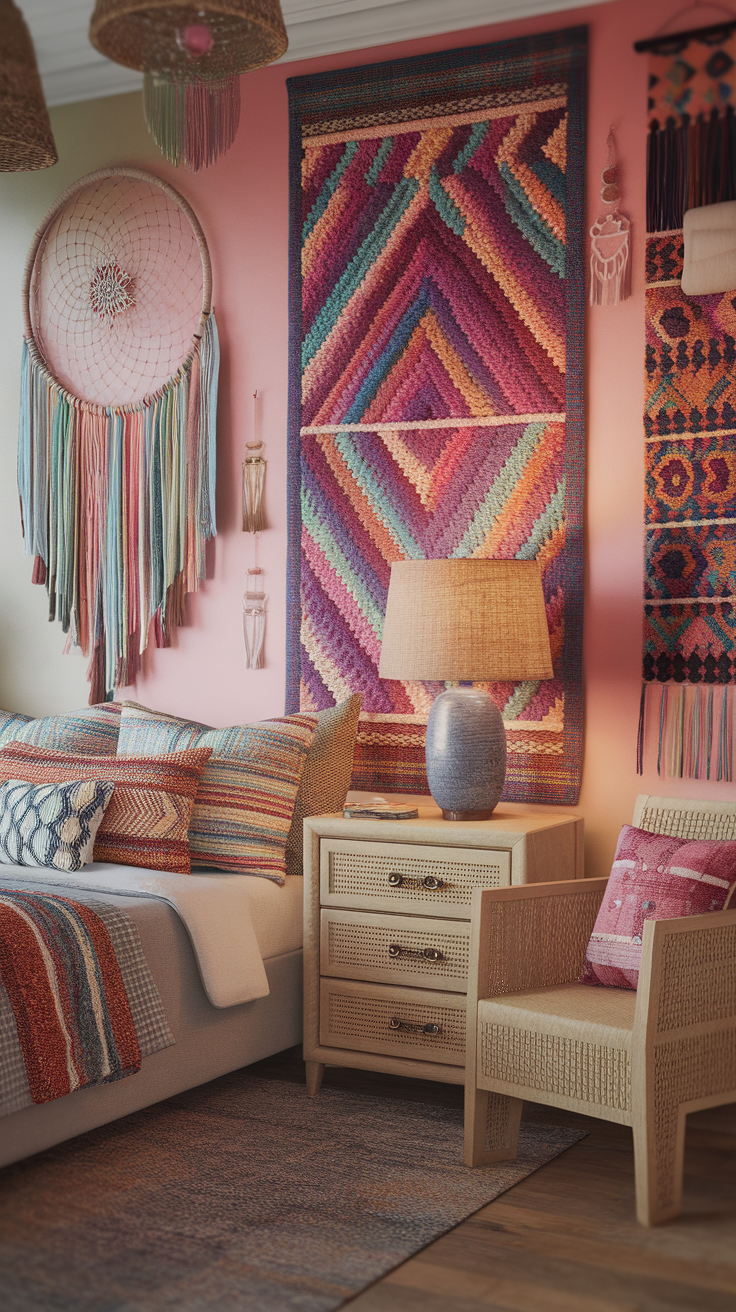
243	205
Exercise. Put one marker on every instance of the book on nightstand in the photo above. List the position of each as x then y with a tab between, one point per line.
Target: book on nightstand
379	811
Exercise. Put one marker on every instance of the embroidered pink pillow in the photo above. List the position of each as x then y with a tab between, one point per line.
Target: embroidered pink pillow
654	878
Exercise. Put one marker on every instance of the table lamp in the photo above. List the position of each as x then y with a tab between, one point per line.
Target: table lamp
470	620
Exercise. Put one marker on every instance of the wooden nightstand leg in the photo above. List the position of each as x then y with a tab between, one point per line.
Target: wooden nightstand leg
315	1071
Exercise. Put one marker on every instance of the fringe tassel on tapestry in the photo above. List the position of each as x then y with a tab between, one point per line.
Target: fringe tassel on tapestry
690	417
694	730
117	505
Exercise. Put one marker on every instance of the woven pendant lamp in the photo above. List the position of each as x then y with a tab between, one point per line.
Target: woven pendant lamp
26	140
191	56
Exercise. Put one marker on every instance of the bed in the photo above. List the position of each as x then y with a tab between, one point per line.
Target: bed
225	954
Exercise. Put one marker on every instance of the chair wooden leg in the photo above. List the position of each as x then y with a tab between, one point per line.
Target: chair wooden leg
315	1070
491	1126
659	1146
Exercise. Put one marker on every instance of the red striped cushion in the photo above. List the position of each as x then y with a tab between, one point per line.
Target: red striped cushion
147	821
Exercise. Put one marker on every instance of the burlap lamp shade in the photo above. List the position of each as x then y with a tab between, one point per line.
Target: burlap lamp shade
192	56
26	139
481	620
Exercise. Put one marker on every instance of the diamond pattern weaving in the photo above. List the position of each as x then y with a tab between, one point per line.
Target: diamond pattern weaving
436	376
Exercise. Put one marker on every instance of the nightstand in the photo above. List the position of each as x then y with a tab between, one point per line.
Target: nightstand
387	929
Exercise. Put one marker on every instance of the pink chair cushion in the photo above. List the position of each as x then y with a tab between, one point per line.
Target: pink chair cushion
654	877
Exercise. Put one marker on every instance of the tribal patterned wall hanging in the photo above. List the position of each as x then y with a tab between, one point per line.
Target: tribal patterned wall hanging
116	452
437	297
690	417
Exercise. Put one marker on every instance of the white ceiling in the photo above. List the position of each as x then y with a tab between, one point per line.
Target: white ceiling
72	70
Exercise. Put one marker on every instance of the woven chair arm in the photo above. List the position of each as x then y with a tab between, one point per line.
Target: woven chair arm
533	935
689	972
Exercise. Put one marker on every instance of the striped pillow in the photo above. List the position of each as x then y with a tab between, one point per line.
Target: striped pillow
147	820
327	774
245	802
93	731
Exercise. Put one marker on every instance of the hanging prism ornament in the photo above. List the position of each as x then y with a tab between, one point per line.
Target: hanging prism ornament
191	56
254	474
254	620
610	241
116	450
254	477
26	139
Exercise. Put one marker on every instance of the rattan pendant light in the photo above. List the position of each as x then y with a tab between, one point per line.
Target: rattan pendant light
191	56
26	140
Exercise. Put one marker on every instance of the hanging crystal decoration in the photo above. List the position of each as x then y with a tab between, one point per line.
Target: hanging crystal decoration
254	622
254	477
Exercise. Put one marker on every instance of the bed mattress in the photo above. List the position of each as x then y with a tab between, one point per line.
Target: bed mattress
208	1040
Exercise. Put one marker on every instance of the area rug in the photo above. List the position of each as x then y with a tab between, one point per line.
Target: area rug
436	365
243	1194
689	664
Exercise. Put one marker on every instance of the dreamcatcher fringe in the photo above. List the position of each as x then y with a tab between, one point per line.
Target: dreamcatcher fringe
695	730
192	123
117	505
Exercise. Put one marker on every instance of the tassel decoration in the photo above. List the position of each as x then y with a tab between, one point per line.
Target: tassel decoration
688	746
725	742
254	477
254	623
610	241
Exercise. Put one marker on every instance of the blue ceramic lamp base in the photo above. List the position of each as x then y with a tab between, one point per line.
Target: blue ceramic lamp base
466	754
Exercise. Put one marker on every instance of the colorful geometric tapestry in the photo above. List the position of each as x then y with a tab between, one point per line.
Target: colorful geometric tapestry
690	420
436	376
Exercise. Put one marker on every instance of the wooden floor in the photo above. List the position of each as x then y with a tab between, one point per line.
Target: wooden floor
565	1239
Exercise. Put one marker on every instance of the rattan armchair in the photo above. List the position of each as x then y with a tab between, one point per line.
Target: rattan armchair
643	1058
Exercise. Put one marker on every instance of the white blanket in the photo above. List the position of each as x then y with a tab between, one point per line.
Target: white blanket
215	908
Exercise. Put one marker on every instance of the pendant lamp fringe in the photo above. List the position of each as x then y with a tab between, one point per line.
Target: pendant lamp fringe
192	123
117	505
689	743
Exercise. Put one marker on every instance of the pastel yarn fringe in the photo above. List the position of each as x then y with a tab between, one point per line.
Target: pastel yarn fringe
117	505
694	730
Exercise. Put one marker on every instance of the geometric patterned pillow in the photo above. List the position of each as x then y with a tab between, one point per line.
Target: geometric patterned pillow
654	877
93	731
147	821
52	825
246	797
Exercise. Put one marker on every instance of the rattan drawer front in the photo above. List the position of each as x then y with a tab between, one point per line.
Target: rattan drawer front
395	949
378	1018
436	881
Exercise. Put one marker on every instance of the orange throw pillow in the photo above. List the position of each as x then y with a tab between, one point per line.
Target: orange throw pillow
147	820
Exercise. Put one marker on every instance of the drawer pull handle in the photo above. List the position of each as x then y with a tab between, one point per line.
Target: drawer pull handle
396	1023
397	880
426	954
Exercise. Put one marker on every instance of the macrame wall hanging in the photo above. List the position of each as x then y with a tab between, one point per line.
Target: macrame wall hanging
191	56
116	458
610	240
254	522
689	664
